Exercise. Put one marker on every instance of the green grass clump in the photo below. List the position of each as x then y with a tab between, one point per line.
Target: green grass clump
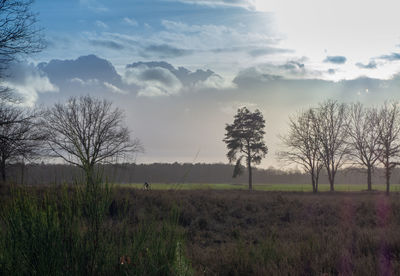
72	231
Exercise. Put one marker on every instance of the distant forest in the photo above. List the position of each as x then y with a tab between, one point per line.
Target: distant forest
46	174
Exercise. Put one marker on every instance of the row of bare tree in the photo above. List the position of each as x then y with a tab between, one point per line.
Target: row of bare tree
83	131
335	134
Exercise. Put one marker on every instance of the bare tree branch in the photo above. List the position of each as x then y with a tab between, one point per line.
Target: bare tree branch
330	124
21	139
86	131
363	135
388	122
303	146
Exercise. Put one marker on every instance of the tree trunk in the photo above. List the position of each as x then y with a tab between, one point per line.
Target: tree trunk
3	170
89	175
22	173
369	178
331	177
250	176
313	183
332	185
387	180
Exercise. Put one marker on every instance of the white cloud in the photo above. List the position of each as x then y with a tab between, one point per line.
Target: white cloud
247	4
93	5
154	81
77	81
97	83
113	88
130	21
291	69
318	28
27	81
216	82
101	24
214	37
88	82
221	48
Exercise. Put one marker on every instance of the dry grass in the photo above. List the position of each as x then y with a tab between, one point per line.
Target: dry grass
272	233
233	232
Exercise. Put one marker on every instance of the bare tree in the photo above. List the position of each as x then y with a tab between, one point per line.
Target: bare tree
86	131
388	122
244	139
18	31
365	148
303	146
19	36
21	140
331	128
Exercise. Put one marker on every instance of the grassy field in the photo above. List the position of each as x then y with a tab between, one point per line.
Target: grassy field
215	231
233	232
260	187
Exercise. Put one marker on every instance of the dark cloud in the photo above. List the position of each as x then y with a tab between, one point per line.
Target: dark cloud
391	57
96	75
154	81
293	65
164	51
85	68
335	59
159	78
331	71
292	69
267	51
152	64
157	74
186	77
293	90
253	76
371	65
107	44
229	49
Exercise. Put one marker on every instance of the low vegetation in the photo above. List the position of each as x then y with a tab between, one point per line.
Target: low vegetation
98	231
271	233
84	231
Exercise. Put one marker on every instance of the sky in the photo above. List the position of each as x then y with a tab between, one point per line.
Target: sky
181	68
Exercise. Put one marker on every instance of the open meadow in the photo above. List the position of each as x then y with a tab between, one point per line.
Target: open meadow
260	187
233	232
228	231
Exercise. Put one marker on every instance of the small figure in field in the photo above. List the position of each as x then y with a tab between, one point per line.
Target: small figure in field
146	186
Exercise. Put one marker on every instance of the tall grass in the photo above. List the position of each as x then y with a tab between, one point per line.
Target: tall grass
75	231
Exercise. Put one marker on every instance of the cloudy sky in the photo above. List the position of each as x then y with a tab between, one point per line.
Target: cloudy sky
181	68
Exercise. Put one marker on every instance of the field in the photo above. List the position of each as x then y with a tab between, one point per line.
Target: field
213	231
273	233
261	187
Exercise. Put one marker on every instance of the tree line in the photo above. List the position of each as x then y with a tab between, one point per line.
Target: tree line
83	131
334	135
38	173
